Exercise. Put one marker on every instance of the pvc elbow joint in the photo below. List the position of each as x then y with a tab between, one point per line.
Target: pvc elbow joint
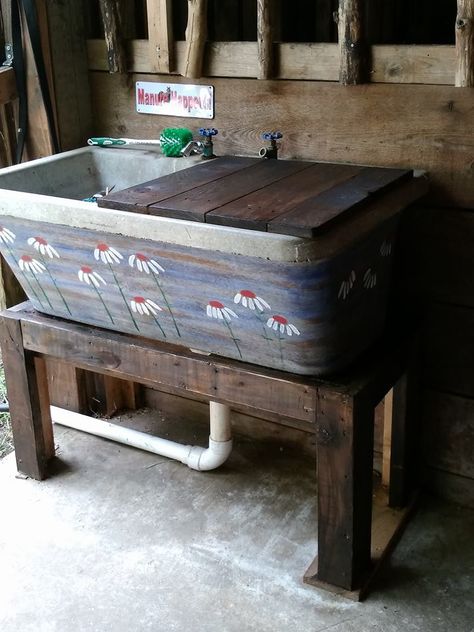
205	459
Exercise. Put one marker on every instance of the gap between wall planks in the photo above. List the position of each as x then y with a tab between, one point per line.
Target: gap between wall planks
312	62
425	127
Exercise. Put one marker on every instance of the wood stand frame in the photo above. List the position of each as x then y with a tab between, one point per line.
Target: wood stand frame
352	537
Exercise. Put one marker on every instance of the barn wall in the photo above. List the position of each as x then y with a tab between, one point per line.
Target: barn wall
389	122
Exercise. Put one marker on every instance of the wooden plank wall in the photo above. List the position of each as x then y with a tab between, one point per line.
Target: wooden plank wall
437	270
389	122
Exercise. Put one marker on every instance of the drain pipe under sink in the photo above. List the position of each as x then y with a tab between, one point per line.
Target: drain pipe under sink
195	457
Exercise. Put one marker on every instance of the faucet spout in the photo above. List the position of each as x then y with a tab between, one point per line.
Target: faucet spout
193	147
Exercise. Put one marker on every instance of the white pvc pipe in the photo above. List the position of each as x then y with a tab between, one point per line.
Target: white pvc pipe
195	457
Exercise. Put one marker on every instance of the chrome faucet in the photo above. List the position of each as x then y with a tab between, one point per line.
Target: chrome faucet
193	147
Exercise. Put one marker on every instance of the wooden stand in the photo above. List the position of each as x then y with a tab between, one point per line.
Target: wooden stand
350	542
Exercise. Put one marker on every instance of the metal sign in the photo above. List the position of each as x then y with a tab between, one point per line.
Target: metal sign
175	99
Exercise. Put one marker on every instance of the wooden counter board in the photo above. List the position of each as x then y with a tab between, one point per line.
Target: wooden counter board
290	197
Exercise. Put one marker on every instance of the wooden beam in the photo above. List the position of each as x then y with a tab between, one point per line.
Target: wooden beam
8	91
387	437
351	42
465	44
111	19
160	35
318	62
196	34
264	39
69	67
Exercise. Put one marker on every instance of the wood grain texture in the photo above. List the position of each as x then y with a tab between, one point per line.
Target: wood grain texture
423	127
264	39
69	56
111	19
214	378
7	85
196	35
332	205
197	203
160	35
255	210
352	45
465	44
302	61
29	402
344	461
66	386
139	198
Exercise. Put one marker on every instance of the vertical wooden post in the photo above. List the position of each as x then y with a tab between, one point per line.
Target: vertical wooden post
465	44
264	39
29	402
113	35
196	34
387	437
160	35
353	63
345	432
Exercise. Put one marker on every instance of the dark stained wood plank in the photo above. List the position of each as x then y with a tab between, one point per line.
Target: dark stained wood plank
344	439
29	401
320	211
66	386
437	255
448	433
448	348
194	205
138	198
106	395
388	525
127	357
404	452
255	210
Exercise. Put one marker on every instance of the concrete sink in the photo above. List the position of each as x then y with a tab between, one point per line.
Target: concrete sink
303	305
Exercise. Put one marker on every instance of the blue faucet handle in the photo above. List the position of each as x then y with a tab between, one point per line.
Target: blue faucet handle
208	131
272	135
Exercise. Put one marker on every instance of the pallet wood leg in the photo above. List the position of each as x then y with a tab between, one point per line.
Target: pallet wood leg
345	427
404	421
29	402
66	386
106	395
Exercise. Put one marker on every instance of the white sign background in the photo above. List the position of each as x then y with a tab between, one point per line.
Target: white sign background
175	99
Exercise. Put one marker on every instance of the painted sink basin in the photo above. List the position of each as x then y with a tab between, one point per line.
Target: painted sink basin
308	306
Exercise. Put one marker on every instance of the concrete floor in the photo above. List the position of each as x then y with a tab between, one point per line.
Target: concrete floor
121	540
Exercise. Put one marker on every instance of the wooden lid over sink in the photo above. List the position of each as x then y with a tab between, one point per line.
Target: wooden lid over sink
289	197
